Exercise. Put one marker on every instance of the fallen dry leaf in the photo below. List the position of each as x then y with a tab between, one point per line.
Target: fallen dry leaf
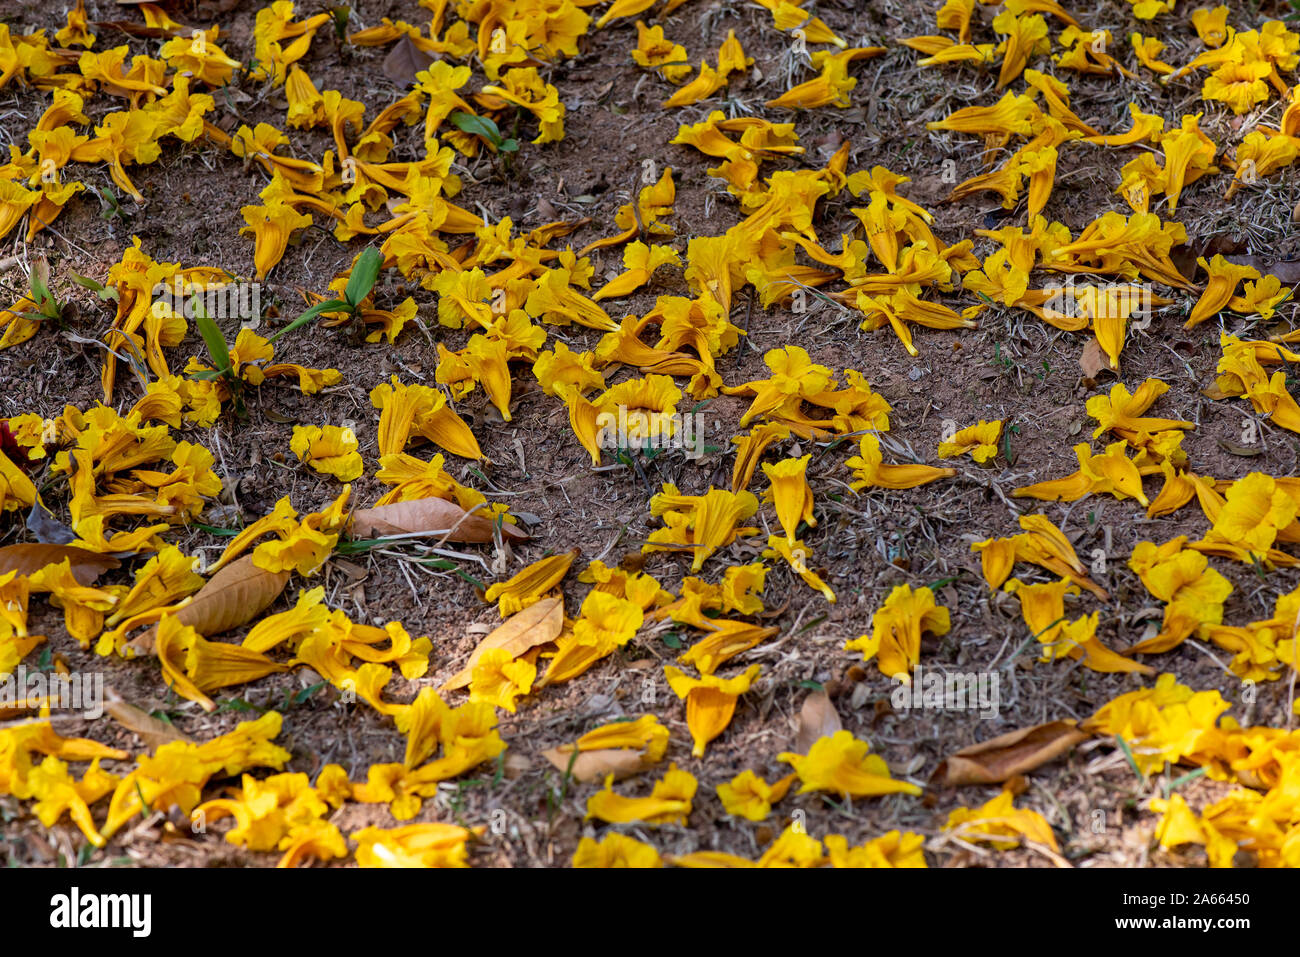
152	731
1001	758
817	719
30	558
405	61
535	625
233	596
433	516
591	766
1093	361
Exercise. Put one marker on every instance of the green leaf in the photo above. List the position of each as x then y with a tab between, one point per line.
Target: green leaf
479	126
329	305
212	338
98	288
510	146
364	274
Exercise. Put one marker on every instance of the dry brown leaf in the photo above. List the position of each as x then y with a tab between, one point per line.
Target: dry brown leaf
404	61
27	559
535	625
817	719
591	766
1094	361
1003	757
232	597
434	516
152	731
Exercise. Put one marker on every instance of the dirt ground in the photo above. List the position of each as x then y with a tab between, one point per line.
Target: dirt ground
1012	368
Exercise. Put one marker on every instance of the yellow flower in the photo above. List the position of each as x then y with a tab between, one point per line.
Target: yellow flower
415	845
750	448
981	441
55	792
200	56
1255	509
1043	608
1026	36
265	811
710	702
655	52
896	630
793	848
624	8
83	606
701	523
564	372
669	802
302	548
639	263
531	584
418	410
77	32
708	82
307	616
330	450
1224	278
728	639
271	226
891	849
869	472
841	765
997	821
192	665
832	87
499	678
790	493
524	87
606	623
796	556
1110	471
177	772
616	850
749	796
1195	593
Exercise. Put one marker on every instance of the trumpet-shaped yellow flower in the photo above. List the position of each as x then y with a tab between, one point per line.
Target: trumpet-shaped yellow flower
616	850
431	844
606	623
330	450
700	523
841	765
192	665
749	796
639	263
1000	824
499	678
417	410
1105	472
655	52
669	802
710	702
529	585
790	493
896	630
870	472
980	440
891	849
1224	278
